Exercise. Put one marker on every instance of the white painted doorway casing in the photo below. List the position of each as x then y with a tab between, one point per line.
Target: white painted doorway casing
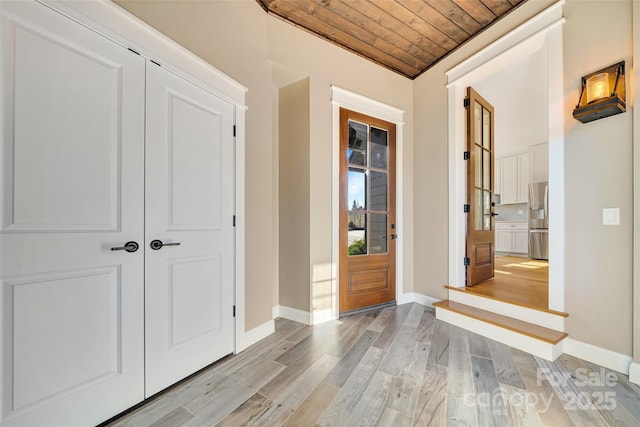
543	31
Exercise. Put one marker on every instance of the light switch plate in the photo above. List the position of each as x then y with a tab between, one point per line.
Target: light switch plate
611	216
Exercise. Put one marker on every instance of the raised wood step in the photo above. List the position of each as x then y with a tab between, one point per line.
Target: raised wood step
547	335
546	318
471	291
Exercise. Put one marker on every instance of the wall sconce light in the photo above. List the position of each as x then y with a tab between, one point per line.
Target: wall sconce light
602	94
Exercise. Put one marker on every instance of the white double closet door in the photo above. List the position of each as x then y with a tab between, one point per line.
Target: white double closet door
99	148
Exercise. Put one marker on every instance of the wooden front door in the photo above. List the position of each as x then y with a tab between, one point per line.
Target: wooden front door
480	160
367	211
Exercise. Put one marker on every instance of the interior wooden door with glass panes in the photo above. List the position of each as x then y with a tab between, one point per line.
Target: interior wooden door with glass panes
367	211
480	259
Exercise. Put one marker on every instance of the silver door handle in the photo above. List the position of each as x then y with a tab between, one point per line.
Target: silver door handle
129	247
157	244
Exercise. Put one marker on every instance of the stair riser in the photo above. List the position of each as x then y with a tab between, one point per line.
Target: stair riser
522	342
548	320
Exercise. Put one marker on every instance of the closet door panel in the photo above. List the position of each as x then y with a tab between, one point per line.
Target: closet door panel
189	200
72	151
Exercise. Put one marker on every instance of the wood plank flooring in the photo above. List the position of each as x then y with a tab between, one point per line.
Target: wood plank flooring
396	366
517	280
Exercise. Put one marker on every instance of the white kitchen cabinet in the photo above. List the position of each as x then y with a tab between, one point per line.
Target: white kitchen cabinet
539	163
512	178
504	240
512	237
521	240
523	178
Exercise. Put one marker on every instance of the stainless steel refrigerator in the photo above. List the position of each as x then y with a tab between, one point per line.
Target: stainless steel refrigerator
539	220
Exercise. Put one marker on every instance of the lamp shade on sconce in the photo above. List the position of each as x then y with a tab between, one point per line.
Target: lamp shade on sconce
597	87
602	94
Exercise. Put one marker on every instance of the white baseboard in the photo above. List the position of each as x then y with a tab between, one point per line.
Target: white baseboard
321	316
598	355
293	314
425	300
254	335
634	372
410	297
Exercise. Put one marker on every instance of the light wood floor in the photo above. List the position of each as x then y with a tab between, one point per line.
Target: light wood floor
517	280
395	366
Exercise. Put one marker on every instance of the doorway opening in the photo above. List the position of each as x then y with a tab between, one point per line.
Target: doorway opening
537	103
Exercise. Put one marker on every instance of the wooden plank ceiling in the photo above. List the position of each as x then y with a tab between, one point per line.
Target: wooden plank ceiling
405	36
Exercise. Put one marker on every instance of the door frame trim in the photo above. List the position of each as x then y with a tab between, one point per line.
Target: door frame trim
342	98
543	31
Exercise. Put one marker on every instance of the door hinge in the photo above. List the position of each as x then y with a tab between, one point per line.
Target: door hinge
234	220
467	261
234	130
467	155
467	102
467	208
234	311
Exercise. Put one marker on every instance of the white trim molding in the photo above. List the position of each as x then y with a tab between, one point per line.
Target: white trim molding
342	98
634	372
410	297
542	22
301	316
127	30
294	314
598	355
251	337
321	316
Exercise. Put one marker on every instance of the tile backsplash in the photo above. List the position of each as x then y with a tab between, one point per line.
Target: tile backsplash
515	212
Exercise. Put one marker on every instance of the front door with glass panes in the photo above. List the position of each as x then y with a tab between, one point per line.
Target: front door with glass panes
480	259
367	211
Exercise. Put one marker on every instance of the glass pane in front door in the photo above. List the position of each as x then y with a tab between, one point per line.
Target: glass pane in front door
368	187
358	137
357	216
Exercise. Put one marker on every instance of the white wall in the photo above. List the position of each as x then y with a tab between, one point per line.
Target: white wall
598	174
